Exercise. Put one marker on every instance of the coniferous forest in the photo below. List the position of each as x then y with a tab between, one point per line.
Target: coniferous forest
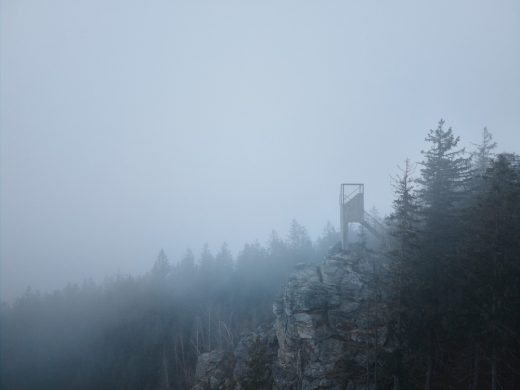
450	286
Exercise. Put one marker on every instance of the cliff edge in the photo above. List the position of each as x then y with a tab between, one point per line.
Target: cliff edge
328	330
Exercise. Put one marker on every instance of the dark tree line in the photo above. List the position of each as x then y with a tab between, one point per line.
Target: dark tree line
455	271
146	332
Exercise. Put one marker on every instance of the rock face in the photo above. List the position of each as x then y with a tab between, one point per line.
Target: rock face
328	327
328	332
248	367
215	371
255	355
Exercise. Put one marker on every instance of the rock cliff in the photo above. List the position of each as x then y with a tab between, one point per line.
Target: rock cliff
328	330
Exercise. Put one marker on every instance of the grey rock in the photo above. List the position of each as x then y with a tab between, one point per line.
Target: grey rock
247	367
255	354
214	371
327	326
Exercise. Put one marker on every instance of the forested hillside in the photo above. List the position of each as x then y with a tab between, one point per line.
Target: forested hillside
449	285
455	267
128	332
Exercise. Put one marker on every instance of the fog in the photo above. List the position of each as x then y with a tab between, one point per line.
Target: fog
127	126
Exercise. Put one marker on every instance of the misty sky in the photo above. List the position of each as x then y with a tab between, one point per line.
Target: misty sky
131	126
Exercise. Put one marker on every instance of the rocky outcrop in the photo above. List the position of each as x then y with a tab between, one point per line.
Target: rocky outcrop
247	367
328	333
329	326
215	371
255	355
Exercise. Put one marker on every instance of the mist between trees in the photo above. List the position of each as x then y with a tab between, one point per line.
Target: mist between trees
450	287
116	334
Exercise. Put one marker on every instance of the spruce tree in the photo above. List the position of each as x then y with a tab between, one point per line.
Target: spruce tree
443	183
403	226
483	155
491	255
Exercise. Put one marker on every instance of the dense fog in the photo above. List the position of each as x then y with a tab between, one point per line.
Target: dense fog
169	181
446	285
128	127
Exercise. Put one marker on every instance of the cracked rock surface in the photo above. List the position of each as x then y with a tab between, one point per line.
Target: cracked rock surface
327	326
328	329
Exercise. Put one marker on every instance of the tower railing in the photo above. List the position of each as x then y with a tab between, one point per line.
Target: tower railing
374	226
352	210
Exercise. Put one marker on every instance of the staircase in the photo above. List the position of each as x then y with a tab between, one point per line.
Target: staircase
374	226
352	210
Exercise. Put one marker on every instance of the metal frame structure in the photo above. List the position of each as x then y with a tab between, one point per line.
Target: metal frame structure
352	208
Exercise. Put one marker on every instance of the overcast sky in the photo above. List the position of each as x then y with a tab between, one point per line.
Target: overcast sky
131	126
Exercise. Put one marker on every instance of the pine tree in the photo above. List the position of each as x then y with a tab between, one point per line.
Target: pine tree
403	224
443	183
223	268
484	154
444	175
491	253
187	268
161	267
224	259
328	242
404	220
300	243
206	262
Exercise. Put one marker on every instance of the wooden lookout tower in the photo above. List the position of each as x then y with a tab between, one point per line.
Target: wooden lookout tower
352	210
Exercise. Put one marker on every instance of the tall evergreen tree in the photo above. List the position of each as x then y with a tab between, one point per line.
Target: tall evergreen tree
491	255
186	267
444	178
161	267
328	241
300	243
223	268
403	224
483	155
444	175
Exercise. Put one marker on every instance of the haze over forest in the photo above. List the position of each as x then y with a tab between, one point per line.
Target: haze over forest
169	181
129	127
